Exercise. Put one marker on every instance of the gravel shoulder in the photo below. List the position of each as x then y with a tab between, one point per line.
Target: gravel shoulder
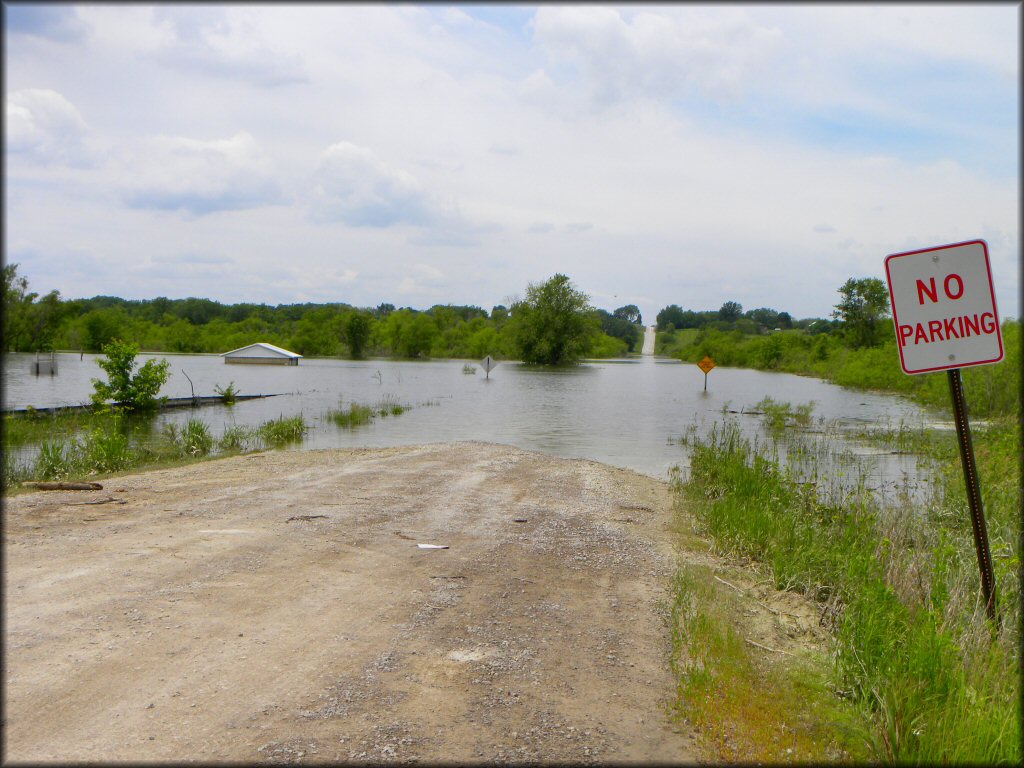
277	607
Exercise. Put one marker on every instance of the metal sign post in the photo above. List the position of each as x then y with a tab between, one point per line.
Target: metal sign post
488	363
963	434
706	365
944	315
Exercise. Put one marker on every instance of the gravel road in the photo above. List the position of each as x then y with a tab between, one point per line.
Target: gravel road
277	607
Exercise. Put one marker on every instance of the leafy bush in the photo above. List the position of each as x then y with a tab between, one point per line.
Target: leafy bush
131	390
228	394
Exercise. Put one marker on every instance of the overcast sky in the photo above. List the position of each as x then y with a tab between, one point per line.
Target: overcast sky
669	154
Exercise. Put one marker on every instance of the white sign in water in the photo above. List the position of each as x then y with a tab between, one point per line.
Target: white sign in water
944	307
488	363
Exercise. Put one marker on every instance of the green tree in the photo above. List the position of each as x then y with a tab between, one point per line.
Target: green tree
620	327
102	326
630	312
17	310
730	312
864	304
357	332
409	333
555	323
130	389
670	317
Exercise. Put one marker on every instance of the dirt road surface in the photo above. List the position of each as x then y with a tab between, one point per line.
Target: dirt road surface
276	607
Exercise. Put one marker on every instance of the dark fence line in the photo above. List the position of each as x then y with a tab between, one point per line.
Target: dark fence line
172	402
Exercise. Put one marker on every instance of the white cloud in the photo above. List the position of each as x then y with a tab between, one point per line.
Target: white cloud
44	126
657	54
354	186
224	42
197	177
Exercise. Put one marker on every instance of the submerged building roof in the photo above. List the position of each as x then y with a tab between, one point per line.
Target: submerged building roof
261	349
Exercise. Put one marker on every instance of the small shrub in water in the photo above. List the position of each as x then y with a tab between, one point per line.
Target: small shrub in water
228	394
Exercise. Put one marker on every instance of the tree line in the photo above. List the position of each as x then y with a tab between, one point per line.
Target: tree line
555	323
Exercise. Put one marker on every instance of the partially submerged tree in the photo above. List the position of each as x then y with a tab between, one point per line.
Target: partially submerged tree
130	389
554	324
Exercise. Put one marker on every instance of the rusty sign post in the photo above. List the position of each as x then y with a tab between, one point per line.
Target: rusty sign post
706	365
944	315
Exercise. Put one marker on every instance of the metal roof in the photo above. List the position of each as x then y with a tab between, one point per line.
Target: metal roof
264	345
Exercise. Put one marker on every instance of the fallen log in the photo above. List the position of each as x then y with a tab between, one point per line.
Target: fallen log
53	486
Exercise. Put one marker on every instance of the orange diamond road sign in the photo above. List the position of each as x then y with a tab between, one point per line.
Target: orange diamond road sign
706	364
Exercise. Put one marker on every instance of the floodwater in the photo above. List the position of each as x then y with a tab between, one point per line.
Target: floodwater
629	413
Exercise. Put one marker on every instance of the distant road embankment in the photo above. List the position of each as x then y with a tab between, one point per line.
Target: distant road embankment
648	348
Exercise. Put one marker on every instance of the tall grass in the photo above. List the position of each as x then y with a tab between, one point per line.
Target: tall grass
282	431
911	641
358	414
114	443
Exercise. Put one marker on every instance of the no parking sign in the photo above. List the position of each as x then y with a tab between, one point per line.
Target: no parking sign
944	307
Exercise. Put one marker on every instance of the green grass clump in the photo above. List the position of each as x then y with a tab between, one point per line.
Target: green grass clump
354	416
237	439
282	431
192	440
912	645
357	414
389	405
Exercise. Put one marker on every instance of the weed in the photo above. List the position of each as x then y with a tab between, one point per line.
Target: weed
389	405
53	461
237	439
353	416
282	431
228	394
196	439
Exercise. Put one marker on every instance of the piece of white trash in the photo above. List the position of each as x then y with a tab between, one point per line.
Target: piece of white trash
432	546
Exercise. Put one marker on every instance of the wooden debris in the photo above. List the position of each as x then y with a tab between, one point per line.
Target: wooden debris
304	517
108	500
729	585
54	486
766	648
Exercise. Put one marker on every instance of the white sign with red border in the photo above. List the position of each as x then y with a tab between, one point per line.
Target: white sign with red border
944	307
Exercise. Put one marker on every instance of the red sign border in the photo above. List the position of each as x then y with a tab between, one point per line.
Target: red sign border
991	287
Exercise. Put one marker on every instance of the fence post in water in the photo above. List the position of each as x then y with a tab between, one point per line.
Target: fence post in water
963	434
